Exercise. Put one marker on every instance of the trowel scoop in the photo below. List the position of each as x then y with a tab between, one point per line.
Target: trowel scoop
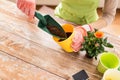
49	25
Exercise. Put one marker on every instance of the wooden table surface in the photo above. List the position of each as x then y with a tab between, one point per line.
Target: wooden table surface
28	53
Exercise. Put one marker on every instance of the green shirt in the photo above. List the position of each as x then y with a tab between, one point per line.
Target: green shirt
78	11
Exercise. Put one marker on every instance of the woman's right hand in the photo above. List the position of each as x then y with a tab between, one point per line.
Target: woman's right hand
27	6
78	39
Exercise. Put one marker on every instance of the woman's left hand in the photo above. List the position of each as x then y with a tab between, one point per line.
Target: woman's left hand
28	7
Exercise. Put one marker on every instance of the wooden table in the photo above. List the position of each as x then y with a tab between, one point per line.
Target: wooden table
28	53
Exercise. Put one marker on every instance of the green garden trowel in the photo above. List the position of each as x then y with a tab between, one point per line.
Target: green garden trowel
49	25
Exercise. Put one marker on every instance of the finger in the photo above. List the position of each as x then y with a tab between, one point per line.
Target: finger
91	28
75	45
76	49
82	30
23	8
32	10
77	38
77	41
74	39
21	4
27	9
18	3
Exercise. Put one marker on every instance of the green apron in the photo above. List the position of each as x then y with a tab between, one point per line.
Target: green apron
78	11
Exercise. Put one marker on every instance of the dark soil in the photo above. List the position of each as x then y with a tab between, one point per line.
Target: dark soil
68	34
54	30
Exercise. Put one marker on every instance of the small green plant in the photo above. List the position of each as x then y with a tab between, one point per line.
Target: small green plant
94	43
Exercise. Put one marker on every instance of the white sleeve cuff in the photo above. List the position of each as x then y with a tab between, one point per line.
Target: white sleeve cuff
87	27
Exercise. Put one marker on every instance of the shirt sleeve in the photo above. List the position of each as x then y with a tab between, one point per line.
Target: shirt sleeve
109	11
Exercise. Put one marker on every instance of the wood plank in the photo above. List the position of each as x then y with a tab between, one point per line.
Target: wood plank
26	41
58	63
12	68
11	9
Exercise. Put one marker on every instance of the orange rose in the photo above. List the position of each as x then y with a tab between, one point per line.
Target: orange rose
99	34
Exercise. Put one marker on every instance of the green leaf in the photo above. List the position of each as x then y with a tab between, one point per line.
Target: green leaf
109	45
82	49
105	44
89	51
119	68
105	40
101	48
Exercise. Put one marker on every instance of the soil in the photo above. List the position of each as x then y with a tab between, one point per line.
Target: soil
55	31
68	34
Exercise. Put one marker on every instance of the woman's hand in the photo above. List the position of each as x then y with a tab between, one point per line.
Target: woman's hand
27	6
78	38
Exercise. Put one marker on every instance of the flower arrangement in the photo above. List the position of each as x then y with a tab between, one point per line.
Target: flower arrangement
94	43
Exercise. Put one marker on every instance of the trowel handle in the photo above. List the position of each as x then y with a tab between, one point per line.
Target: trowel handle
41	18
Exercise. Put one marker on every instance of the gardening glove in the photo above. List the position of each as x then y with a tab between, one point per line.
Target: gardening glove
78	38
27	6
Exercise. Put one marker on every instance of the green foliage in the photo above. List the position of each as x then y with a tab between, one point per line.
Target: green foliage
93	45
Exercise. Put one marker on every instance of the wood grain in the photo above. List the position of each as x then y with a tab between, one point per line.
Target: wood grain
62	64
12	68
25	41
